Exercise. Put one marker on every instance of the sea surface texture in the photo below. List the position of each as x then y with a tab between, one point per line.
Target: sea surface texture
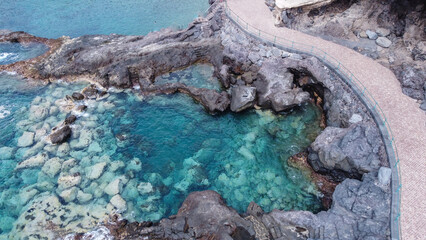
53	19
143	156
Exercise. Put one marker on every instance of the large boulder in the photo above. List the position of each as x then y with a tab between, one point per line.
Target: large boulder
348	152
60	135
275	87
203	215
360	210
242	97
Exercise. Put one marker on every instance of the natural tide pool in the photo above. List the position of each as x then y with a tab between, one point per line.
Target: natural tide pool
74	18
14	52
142	157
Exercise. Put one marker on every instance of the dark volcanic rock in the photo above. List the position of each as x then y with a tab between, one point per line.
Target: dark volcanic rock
77	96
412	81
203	215
275	87
360	210
81	108
89	92
212	100
116	60
70	119
60	135
242	97
348	152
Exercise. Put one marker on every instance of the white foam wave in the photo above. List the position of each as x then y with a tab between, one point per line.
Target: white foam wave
7	56
3	112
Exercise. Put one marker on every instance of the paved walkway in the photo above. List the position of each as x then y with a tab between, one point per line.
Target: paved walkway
407	121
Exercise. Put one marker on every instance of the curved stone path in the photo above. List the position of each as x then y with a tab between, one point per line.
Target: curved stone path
407	121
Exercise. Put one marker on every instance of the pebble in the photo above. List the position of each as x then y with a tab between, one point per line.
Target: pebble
383	42
371	35
383	32
363	34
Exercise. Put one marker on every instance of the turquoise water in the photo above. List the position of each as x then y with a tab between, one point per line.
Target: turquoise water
14	52
199	75
157	150
53	19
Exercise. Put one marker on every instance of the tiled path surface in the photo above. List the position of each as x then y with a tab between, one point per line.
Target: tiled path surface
407	121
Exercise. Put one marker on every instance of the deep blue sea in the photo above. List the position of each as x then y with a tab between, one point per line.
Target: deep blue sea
137	156
56	18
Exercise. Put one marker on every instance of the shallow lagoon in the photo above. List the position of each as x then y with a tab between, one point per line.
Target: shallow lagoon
153	151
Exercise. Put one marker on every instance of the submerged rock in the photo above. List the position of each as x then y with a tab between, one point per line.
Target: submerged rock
68	181
69	195
114	187
95	171
6	153
38	113
26	140
118	202
35	161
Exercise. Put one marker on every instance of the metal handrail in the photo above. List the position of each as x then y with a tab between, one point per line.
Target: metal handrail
359	89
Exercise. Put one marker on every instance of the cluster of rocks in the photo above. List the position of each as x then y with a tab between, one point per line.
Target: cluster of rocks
253	74
392	33
360	210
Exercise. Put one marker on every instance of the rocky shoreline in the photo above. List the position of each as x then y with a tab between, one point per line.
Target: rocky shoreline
349	152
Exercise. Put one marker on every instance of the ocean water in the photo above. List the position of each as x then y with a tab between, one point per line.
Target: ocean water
198	75
53	19
151	152
14	52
